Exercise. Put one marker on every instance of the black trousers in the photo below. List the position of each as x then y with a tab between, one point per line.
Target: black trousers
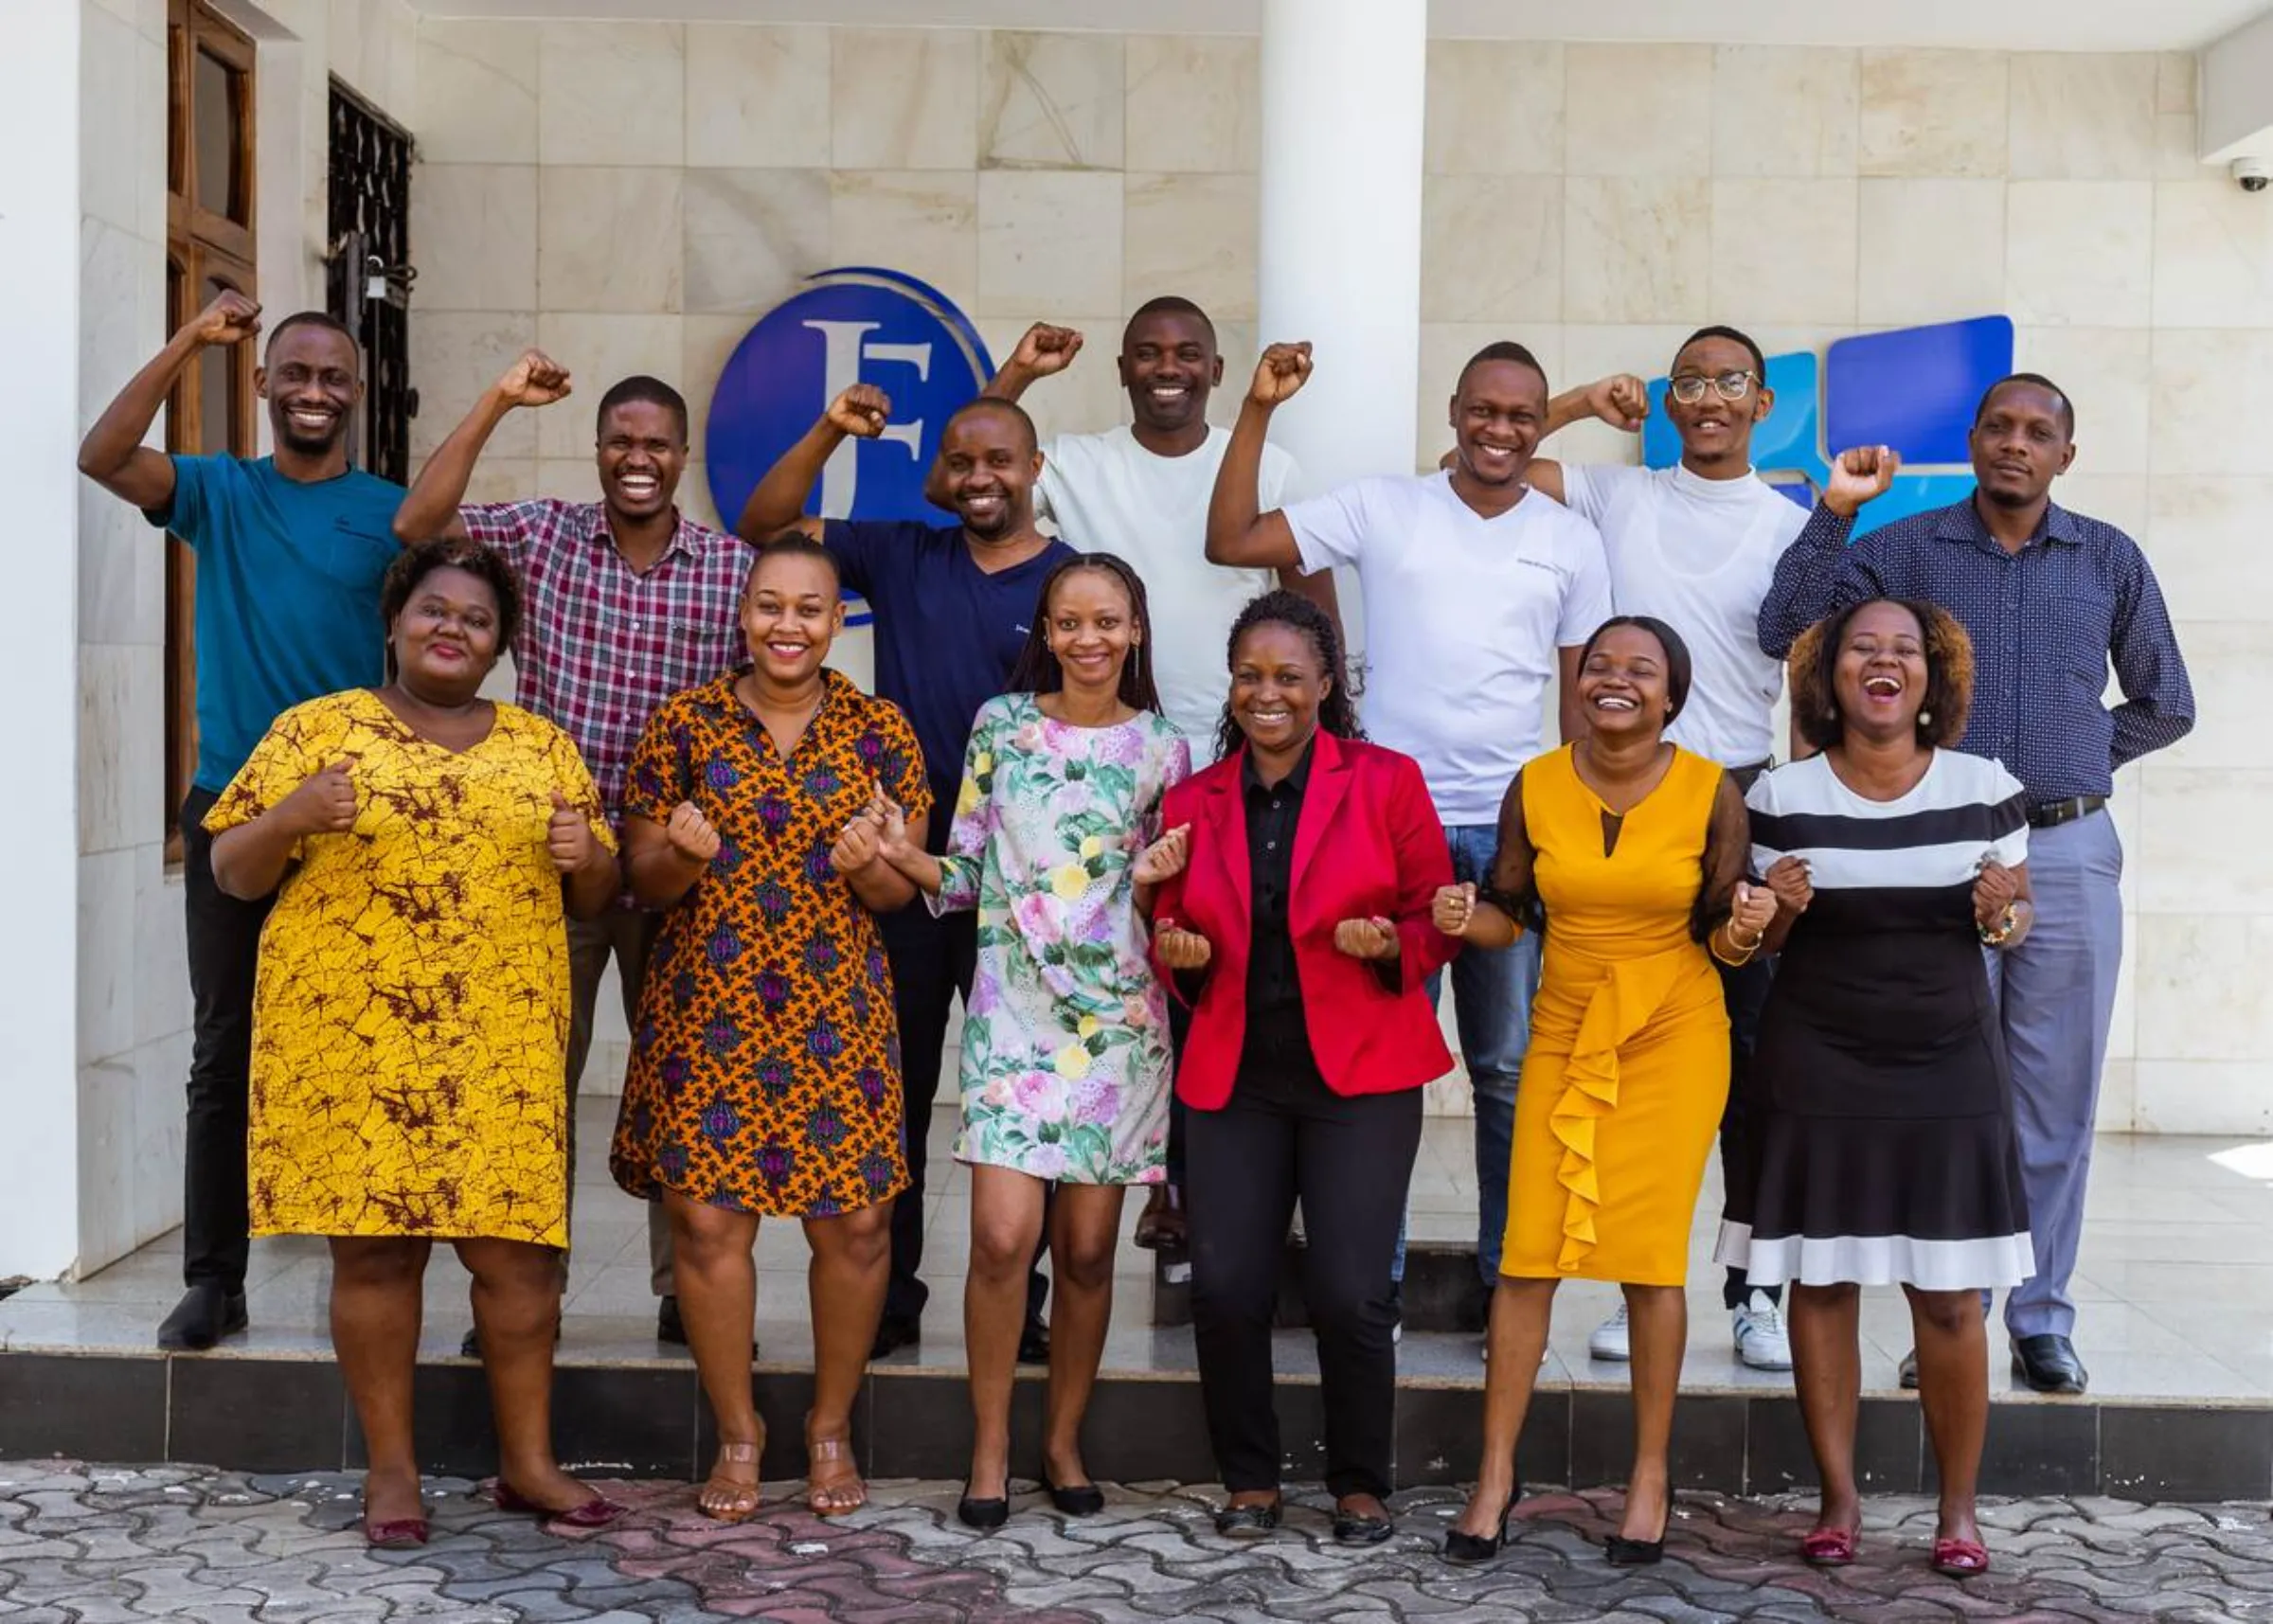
933	961
1745	989
1349	1161
224	951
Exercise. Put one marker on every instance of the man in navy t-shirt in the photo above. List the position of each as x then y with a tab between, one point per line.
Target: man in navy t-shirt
290	552
954	604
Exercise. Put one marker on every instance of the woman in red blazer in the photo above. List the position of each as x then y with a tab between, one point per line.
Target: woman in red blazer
1299	930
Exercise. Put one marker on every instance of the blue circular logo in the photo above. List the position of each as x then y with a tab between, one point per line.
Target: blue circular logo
856	325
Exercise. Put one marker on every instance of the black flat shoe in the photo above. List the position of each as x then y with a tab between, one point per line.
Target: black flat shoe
984	1515
1249	1521
2048	1364
206	1314
1034	1344
669	1328
1075	1499
1360	1527
893	1333
1634	1553
1469	1549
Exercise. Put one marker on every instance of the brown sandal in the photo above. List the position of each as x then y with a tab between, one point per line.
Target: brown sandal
725	1499
834	1485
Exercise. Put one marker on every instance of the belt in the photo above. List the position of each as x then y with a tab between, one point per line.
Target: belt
2051	815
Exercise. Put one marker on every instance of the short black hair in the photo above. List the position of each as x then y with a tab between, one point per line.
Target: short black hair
791	544
1501	350
1735	335
415	563
1169	304
996	404
2034	379
1679	668
639	387
322	319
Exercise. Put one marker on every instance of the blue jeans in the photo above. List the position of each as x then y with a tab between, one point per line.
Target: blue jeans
1492	1007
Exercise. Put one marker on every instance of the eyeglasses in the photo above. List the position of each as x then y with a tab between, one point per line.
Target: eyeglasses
1689	387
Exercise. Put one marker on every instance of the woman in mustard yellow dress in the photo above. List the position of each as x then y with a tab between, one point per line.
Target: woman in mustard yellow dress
410	1020
1628	853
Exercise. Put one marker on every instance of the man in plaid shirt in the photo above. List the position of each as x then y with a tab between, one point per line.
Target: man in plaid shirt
627	603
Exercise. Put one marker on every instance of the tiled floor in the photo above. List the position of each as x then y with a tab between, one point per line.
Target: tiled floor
2176	1292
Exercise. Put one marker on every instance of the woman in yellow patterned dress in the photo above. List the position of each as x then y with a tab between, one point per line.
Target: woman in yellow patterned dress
411	1017
1635	851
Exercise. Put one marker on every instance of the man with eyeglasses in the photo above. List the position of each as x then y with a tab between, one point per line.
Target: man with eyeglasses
1696	545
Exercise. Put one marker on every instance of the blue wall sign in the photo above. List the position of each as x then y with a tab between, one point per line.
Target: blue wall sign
1914	389
854	325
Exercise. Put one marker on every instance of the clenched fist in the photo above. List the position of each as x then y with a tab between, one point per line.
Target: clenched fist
859	844
1994	890
535	379
1454	908
690	835
1793	885
1046	350
568	836
1621	401
1181	949
1165	858
1374	939
1858	475
323	804
1750	913
1281	374
861	411
231	318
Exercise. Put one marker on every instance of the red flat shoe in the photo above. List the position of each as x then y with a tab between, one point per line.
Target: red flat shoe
398	1534
596	1512
1960	1559
1828	1548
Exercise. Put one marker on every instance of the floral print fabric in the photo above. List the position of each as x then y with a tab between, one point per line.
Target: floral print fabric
1065	1060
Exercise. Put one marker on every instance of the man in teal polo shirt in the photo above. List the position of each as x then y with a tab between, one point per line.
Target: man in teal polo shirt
290	552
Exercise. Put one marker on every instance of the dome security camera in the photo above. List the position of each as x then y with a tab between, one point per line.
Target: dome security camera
2251	174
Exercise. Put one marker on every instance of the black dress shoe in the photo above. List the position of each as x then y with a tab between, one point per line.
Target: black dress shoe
206	1314
1076	1499
1623	1552
1360	1527
1906	1374
984	1515
669	1328
1034	1344
1470	1549
1249	1521
895	1331
2048	1364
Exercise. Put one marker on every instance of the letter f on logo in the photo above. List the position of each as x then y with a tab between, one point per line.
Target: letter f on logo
844	350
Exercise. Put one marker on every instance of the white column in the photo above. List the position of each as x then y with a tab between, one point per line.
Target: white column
1344	83
39	657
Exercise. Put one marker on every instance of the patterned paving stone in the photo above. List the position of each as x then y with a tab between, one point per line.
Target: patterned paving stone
96	1544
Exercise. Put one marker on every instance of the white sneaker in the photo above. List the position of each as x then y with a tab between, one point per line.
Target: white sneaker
1761	1342
1611	1340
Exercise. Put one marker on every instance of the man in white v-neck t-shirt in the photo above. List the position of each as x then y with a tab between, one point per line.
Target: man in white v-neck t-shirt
1140	490
1479	593
1696	546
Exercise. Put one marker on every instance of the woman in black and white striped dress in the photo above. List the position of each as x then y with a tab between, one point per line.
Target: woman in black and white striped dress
1884	1151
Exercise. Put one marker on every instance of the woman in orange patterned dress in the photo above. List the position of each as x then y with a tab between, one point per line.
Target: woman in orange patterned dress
410	1023
765	1065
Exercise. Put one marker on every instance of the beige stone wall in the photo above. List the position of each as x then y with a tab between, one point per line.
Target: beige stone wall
631	195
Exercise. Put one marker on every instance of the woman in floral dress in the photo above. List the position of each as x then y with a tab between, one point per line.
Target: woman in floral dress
1066	1060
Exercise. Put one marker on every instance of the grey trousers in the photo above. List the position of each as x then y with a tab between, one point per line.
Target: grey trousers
628	936
2057	991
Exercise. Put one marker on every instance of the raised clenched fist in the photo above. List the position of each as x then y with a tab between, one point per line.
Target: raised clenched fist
1281	374
861	411
535	379
231	318
1046	350
1859	474
1621	401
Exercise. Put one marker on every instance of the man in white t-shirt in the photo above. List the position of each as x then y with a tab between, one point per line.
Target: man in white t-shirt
1478	594
1696	545
1141	490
